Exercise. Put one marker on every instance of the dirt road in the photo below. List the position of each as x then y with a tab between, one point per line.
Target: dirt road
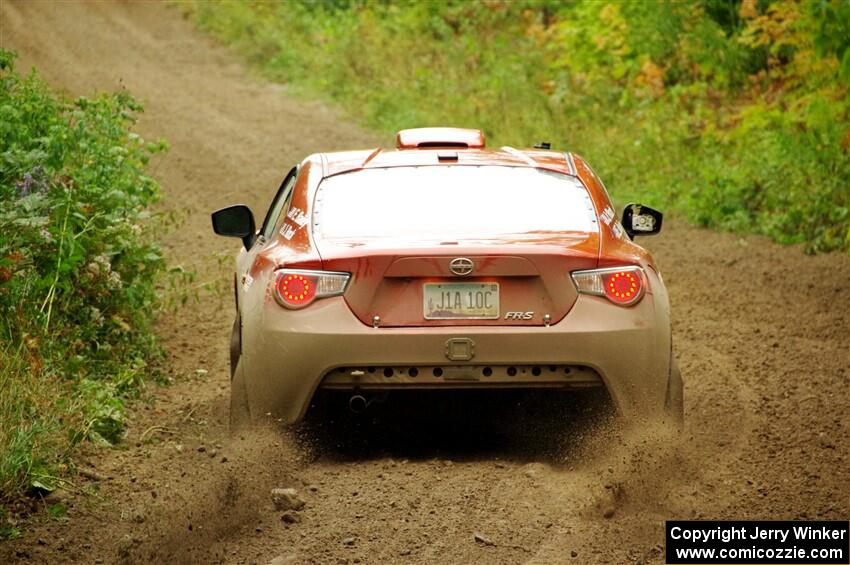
762	334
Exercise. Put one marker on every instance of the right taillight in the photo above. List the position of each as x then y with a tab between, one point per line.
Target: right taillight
621	285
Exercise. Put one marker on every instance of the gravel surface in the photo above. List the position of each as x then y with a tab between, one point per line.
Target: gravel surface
762	334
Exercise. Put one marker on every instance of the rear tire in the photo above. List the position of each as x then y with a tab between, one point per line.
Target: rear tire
240	413
674	403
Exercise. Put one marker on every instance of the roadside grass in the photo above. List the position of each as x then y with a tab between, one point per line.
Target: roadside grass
79	279
734	113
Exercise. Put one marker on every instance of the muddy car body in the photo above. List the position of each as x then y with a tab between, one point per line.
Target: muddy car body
444	264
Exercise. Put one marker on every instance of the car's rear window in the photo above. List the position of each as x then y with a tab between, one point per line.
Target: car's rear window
450	202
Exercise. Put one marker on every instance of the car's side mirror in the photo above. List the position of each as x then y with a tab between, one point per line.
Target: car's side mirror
641	220
235	221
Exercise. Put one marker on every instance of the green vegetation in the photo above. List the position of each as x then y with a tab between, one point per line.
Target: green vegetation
77	274
735	113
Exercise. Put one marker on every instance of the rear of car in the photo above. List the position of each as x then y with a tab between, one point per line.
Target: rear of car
449	268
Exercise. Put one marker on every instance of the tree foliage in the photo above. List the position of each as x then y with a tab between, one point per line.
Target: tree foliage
733	112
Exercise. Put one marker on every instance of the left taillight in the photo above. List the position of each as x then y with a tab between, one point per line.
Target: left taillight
621	285
297	288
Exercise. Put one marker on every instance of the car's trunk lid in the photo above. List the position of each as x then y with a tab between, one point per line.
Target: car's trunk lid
524	283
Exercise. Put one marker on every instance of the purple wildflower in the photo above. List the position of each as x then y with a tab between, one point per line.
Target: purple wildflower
25	186
34	181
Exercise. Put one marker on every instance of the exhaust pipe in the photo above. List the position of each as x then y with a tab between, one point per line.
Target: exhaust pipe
357	404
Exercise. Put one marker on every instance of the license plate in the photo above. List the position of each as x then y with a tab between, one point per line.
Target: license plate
461	301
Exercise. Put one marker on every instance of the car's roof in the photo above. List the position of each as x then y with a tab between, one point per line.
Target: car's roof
445	146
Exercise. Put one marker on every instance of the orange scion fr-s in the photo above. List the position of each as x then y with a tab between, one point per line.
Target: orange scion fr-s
442	264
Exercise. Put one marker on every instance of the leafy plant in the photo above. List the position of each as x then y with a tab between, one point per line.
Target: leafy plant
78	274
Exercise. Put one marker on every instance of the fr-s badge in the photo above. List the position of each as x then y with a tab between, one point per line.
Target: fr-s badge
519	315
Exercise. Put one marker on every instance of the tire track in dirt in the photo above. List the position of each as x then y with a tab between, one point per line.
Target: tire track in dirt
762	334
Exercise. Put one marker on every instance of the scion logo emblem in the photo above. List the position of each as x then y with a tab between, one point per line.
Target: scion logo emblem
461	266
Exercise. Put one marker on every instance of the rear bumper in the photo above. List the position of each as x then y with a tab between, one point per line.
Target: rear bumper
292	353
